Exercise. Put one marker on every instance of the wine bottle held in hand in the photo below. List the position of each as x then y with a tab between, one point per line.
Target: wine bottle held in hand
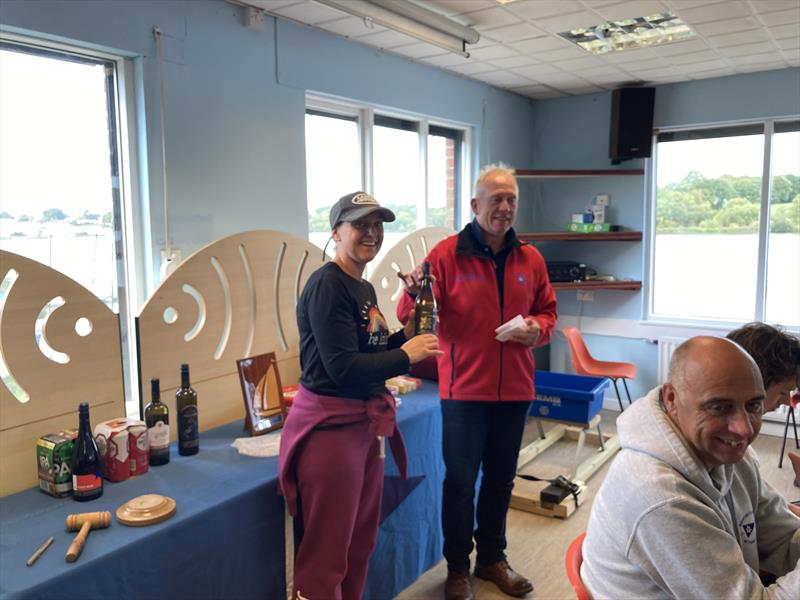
186	402
87	478
156	417
425	313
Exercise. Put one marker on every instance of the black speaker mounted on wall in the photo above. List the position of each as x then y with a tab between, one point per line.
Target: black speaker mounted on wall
631	123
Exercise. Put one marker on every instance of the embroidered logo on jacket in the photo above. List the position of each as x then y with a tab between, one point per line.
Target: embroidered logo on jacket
521	278
747	525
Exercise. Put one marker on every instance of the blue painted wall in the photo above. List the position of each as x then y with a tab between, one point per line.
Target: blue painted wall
572	133
235	105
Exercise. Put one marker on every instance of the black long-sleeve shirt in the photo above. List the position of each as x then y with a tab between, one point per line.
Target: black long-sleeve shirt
345	346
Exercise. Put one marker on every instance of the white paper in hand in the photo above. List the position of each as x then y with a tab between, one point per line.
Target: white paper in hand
506	329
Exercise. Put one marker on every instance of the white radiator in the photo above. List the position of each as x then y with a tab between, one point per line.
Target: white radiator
666	346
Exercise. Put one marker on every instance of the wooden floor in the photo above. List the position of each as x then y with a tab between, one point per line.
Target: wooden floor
537	545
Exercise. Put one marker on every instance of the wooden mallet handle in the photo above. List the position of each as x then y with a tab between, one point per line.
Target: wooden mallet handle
76	547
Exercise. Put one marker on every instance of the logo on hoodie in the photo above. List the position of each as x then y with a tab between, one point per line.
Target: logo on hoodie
747	527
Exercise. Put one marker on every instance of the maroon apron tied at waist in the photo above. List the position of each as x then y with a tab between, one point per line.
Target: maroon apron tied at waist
310	410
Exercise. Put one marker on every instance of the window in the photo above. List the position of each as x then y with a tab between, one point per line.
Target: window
727	224
411	166
60	184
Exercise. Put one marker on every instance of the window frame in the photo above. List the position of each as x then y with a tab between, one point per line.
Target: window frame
768	130
123	88
365	117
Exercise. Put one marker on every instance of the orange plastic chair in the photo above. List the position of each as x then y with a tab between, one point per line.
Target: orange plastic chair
585	364
573	562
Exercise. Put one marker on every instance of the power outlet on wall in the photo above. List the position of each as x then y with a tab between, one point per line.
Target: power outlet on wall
584	296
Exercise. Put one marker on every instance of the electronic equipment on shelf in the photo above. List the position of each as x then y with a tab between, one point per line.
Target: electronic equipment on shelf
566	270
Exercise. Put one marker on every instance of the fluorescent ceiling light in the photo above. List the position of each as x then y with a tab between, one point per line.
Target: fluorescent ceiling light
411	19
639	32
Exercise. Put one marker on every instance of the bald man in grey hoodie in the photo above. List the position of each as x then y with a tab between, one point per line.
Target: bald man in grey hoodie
683	511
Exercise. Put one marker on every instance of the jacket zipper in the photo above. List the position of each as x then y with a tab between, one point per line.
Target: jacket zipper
502	344
453	368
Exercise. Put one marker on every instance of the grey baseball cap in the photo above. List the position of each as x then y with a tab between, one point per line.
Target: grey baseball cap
356	205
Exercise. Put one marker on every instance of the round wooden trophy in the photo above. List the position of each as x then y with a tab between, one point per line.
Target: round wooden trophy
146	510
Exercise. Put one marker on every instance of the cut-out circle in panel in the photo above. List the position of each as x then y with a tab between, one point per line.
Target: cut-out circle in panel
170	315
83	327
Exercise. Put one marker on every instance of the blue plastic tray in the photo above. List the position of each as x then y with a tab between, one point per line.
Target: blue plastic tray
568	397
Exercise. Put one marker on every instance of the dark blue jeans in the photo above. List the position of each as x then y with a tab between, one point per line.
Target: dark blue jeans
486	436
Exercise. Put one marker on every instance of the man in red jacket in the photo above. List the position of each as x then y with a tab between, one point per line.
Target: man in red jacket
484	277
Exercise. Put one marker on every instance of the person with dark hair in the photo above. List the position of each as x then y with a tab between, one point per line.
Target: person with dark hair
777	354
330	464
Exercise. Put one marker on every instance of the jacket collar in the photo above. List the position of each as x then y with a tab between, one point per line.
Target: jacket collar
472	242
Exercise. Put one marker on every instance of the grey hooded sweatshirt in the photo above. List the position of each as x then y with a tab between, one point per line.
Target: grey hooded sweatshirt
662	526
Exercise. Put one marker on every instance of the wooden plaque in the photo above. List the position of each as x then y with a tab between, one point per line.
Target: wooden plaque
262	392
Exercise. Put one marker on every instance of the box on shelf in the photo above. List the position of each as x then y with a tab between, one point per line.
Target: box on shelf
584	217
589	227
568	397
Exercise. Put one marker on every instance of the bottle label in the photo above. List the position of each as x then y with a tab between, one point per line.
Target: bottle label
187	427
158	436
82	484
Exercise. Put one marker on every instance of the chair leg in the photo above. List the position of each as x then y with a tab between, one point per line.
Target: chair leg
789	414
600	437
619	398
794	426
625	383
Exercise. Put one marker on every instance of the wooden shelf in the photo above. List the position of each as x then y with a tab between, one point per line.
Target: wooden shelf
563	173
597	285
571	236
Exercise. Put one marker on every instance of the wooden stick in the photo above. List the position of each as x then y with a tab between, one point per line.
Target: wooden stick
35	556
76	547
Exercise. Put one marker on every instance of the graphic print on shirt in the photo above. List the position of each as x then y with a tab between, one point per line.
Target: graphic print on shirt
375	325
747	526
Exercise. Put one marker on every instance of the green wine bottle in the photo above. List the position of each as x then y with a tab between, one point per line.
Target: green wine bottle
156	417
186	402
425	313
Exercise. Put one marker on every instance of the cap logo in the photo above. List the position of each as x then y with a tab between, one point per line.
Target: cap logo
364	199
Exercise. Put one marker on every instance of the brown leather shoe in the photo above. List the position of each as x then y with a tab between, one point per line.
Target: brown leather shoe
504	577
458	586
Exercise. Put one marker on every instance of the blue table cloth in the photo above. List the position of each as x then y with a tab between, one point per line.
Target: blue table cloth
227	538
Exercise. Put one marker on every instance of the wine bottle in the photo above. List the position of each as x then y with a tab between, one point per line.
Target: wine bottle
156	417
425	313
87	478
186	402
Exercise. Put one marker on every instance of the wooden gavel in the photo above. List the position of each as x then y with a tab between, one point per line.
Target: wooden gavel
84	522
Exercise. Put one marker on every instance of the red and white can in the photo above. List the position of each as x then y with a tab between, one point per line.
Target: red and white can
113	443
139	447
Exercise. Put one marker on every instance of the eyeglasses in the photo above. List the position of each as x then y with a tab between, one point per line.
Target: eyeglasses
364	226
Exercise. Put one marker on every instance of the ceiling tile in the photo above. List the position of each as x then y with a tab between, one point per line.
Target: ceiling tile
737	39
684	4
761	67
604	71
714	12
643	65
727	26
560	80
563	22
504	78
630	9
309	12
562	54
473	68
585	89
745	49
489	18
536	9
419	50
537	72
513	61
513	33
755	59
540	44
350	27
582	63
682	47
768	6
454	7
791	55
710	74
631	55
530	89
783	17
789	43
385	39
704	66
783	31
691	57
490	52
270	5
655	74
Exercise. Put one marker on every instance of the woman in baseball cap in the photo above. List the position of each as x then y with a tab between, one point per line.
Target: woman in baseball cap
330	465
